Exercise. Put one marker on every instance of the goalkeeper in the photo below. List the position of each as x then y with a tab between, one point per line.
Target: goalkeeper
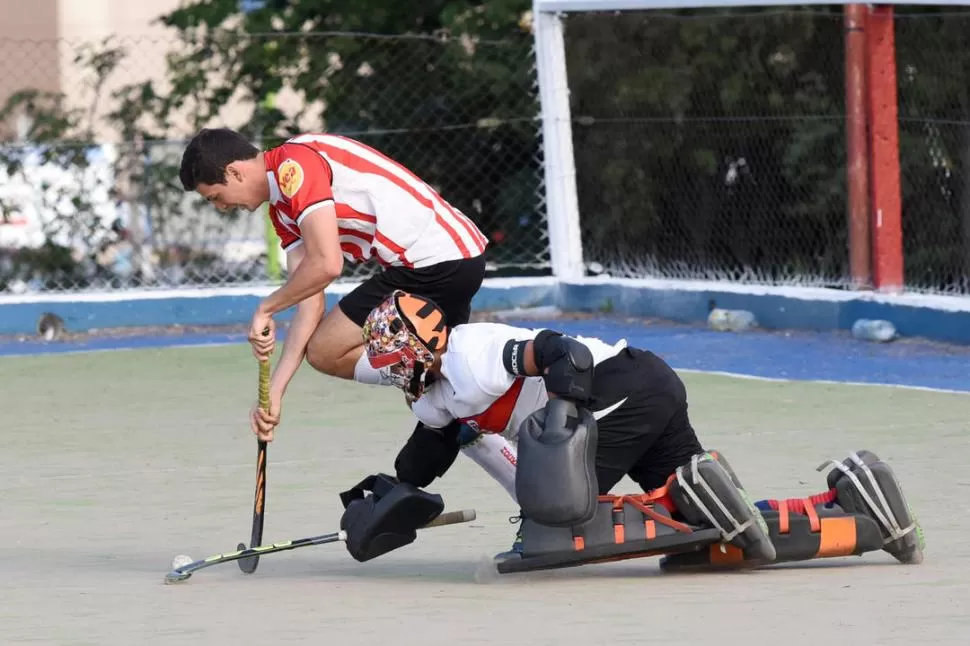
473	386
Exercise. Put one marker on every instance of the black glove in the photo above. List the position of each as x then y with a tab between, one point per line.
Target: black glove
387	518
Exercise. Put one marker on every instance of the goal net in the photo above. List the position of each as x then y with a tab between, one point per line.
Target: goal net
710	143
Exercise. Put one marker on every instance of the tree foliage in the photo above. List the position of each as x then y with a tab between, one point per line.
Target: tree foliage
444	87
707	143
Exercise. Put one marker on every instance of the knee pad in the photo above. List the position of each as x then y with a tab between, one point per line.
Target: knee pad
706	494
863	511
717	455
822	533
864	484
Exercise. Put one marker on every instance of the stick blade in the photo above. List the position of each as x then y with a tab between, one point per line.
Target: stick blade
176	577
247	565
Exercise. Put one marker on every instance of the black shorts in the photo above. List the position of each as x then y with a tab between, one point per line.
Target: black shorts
649	435
451	284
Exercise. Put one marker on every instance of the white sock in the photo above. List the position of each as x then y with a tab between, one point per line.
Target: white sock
367	374
493	453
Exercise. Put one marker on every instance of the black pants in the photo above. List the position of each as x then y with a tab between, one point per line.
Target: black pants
451	285
649	435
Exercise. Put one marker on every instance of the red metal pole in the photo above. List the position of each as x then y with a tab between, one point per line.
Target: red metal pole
887	235
857	171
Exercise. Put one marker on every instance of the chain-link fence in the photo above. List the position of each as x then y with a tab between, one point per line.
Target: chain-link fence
709	145
91	135
712	144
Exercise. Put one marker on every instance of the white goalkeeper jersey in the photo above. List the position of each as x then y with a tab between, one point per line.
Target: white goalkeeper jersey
474	386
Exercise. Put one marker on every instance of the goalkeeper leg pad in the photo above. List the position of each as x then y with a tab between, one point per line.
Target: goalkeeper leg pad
708	494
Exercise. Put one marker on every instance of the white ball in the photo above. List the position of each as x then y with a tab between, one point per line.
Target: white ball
181	560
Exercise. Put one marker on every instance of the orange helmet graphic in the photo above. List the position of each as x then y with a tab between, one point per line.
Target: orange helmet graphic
402	334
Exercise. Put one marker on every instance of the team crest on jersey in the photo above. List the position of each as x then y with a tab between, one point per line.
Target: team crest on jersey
290	175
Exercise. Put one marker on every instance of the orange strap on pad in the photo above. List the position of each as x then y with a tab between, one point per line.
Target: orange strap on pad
629	526
634	517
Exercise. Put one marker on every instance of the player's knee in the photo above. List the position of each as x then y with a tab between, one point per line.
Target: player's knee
318	359
321	357
335	346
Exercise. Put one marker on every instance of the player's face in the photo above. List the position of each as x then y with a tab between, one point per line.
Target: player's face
236	193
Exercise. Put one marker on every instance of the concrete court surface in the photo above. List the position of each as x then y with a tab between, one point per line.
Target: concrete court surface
115	462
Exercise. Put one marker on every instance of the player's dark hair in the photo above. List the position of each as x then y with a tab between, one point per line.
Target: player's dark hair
207	155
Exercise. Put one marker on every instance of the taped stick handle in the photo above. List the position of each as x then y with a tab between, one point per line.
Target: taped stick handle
264	375
452	518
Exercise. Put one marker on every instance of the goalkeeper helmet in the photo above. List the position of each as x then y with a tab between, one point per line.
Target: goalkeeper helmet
401	335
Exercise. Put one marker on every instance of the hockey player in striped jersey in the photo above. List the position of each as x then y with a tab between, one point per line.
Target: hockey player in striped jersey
334	200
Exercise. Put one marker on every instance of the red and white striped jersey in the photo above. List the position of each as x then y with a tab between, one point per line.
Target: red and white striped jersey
384	211
475	387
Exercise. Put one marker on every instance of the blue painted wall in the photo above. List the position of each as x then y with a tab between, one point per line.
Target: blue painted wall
773	311
80	315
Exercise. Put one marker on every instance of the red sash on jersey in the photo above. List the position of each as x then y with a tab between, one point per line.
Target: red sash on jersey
496	417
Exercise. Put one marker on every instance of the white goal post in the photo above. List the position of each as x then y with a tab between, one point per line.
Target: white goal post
565	238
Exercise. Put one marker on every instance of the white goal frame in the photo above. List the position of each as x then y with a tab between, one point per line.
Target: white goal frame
562	205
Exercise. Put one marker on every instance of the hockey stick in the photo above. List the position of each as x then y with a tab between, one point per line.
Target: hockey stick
248	564
184	572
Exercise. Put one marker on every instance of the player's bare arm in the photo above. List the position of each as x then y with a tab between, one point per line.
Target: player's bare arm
308	314
322	263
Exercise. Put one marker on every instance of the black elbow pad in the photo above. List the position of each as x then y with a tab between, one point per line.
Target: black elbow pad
565	364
